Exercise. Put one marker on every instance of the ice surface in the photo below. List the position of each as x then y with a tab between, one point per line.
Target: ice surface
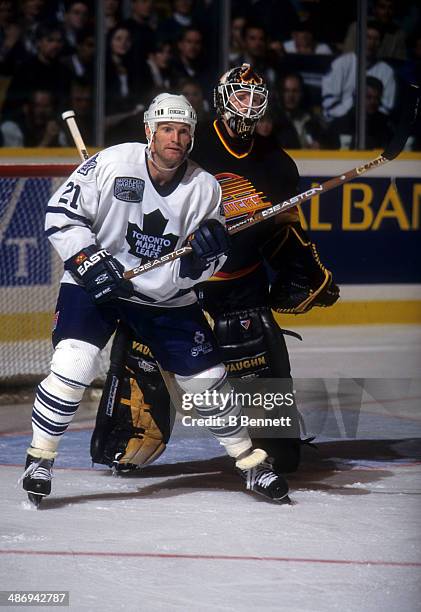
184	535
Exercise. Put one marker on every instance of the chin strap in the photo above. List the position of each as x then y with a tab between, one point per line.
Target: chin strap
161	168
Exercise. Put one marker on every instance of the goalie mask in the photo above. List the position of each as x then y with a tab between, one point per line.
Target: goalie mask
168	107
241	98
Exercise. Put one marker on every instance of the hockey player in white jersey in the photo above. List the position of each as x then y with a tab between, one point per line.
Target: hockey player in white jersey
129	204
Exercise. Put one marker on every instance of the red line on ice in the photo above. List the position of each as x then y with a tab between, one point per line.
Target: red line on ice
145	555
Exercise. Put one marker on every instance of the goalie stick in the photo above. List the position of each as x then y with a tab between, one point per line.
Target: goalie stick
392	150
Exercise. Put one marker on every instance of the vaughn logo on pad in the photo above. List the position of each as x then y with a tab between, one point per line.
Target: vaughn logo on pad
129	189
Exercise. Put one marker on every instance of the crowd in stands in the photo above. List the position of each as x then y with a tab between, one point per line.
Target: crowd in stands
305	49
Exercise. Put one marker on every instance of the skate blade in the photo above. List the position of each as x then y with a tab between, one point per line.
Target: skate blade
35	499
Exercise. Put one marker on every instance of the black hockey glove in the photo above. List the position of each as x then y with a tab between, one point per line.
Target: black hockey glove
302	281
100	273
209	242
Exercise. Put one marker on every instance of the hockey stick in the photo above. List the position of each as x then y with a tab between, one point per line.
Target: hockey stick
392	150
69	118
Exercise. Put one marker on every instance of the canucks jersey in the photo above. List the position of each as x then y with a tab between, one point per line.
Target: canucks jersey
111	201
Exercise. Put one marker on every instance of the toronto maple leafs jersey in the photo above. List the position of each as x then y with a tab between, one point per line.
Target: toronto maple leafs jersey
111	201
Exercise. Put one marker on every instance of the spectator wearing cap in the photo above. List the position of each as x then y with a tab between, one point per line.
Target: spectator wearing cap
338	85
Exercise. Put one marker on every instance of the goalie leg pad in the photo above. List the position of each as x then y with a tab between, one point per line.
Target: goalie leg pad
134	420
253	345
147	441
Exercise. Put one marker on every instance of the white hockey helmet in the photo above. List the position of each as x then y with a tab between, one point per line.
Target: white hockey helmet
170	107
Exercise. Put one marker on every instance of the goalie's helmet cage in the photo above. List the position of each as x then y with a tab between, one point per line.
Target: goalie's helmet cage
170	107
241	98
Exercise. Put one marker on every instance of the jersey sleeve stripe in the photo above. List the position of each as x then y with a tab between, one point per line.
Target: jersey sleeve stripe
68	213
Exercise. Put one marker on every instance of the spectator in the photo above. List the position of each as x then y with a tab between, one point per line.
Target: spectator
30	16
278	19
304	42
112	10
378	127
236	43
298	127
160	75
12	51
81	98
44	71
393	43
36	125
76	18
309	58
191	89
121	73
182	17
140	28
338	86
81	62
123	80
266	129
258	54
189	61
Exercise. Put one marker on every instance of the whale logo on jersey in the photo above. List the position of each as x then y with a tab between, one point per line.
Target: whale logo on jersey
129	188
150	241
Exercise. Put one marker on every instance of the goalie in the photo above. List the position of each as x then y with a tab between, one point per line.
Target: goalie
134	419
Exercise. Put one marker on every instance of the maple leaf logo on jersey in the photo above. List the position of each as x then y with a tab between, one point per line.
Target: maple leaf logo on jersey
150	242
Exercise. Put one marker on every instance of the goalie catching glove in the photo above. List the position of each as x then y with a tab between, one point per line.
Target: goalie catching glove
100	273
302	281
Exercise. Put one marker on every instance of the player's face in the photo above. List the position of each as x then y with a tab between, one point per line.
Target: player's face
243	101
170	143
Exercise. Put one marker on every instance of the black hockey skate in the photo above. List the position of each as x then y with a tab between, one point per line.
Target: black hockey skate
263	480
36	479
